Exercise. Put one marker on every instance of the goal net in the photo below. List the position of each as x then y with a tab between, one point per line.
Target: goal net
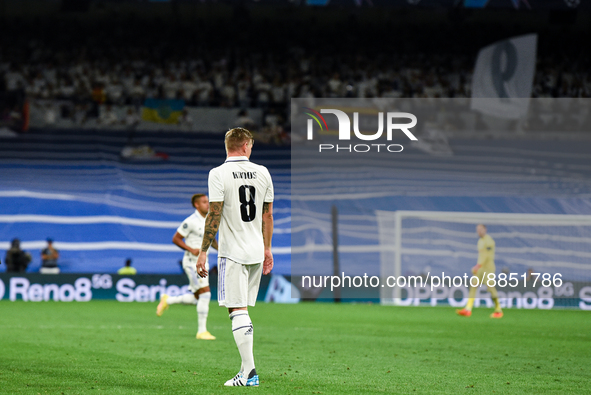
421	243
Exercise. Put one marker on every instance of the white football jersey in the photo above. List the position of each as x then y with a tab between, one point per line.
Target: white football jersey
243	186
192	231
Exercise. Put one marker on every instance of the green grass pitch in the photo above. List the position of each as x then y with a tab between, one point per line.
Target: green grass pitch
310	348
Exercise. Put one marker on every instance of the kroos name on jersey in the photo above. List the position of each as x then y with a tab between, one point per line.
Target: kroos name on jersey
244	175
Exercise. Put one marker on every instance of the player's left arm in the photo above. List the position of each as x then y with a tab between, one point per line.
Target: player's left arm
267	227
214	244
212	225
267	236
485	255
479	263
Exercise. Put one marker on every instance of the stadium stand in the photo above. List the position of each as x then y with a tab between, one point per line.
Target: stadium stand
123	60
111	62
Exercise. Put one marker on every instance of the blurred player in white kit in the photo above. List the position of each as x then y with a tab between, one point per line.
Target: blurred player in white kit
191	230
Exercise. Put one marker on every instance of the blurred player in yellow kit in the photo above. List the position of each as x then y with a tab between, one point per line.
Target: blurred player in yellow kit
485	265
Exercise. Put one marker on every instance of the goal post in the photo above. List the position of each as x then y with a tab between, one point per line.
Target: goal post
415	243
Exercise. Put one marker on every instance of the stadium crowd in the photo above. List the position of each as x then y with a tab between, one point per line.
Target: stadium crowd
119	65
252	82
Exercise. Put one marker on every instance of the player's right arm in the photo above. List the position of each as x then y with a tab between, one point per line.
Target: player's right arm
213	219
479	263
178	239
212	224
481	258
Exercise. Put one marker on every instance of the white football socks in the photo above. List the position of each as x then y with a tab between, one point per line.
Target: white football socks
202	311
182	299
243	333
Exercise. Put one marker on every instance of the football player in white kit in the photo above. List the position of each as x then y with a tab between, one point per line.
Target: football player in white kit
191	230
241	196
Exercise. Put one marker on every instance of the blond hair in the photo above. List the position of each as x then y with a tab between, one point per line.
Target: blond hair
236	137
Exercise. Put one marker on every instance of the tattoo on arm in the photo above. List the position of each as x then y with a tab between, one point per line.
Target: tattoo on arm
265	208
212	224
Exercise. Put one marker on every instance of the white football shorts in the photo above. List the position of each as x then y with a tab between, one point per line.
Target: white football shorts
190	268
238	284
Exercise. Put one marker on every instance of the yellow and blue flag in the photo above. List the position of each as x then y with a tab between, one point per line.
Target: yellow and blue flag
163	111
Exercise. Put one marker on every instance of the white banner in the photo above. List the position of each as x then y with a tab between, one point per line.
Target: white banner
503	77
